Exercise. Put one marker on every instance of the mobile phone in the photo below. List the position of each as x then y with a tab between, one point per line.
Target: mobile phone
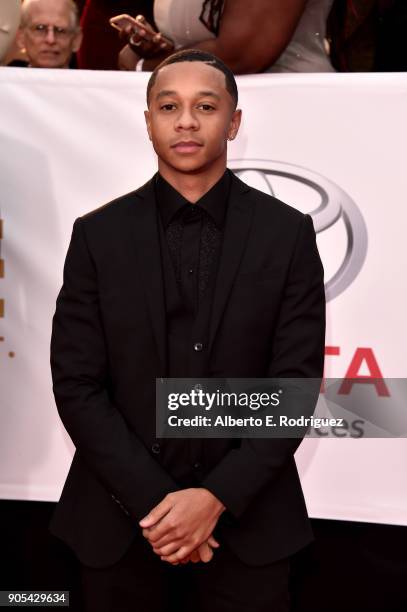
122	22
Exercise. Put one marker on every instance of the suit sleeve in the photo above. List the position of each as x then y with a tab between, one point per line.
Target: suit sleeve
297	352
79	365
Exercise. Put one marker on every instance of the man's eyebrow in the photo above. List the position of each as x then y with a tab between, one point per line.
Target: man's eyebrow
165	92
209	93
171	92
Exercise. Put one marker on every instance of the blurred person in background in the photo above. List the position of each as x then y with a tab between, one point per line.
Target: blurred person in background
352	32
261	36
101	44
49	33
391	46
369	35
9	22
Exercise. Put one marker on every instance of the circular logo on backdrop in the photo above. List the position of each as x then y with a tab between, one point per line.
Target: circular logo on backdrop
333	205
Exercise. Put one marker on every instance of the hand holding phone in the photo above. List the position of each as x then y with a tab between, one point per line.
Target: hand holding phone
126	24
141	34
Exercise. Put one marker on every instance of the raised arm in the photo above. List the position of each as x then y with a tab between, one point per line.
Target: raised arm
252	35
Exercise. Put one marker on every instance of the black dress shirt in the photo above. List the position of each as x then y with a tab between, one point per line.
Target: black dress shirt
194	235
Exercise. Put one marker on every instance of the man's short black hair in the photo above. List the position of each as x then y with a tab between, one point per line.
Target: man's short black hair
196	55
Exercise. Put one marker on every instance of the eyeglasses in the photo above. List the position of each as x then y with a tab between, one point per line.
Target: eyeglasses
40	30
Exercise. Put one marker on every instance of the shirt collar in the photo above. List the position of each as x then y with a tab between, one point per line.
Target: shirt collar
214	201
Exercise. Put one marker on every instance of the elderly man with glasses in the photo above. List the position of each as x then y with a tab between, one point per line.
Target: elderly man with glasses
49	32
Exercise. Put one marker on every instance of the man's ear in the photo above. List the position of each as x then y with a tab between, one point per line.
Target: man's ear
20	39
148	124
234	124
77	41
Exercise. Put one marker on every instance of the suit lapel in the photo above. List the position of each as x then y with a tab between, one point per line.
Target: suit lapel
145	234
237	225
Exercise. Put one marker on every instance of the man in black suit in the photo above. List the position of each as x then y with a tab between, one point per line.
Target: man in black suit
195	274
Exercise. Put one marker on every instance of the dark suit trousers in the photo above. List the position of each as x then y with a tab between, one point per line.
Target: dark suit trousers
141	582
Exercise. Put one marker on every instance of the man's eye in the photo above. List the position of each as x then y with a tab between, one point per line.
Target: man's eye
41	27
61	30
167	107
206	107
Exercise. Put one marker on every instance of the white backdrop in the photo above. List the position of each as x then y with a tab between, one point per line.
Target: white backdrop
72	140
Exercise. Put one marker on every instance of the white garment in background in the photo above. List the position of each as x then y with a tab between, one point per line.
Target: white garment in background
179	21
306	50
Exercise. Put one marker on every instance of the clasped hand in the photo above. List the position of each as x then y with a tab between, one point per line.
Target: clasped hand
180	527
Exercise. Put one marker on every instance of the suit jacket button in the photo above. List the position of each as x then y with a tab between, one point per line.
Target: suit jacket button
155	448
198	346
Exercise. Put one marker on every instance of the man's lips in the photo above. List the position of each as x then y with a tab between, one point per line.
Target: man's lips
186	146
49	52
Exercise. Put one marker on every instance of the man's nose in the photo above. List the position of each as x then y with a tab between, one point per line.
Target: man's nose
187	120
50	37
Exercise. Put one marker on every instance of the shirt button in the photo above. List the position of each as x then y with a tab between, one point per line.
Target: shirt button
197	466
198	346
190	271
155	448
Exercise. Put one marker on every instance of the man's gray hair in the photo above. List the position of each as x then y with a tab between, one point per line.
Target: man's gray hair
71	5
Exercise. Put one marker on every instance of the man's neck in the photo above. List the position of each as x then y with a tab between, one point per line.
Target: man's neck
190	185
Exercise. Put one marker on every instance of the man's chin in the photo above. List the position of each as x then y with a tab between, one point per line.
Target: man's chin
189	165
50	61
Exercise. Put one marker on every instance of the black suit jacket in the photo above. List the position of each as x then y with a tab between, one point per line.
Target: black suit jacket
109	344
